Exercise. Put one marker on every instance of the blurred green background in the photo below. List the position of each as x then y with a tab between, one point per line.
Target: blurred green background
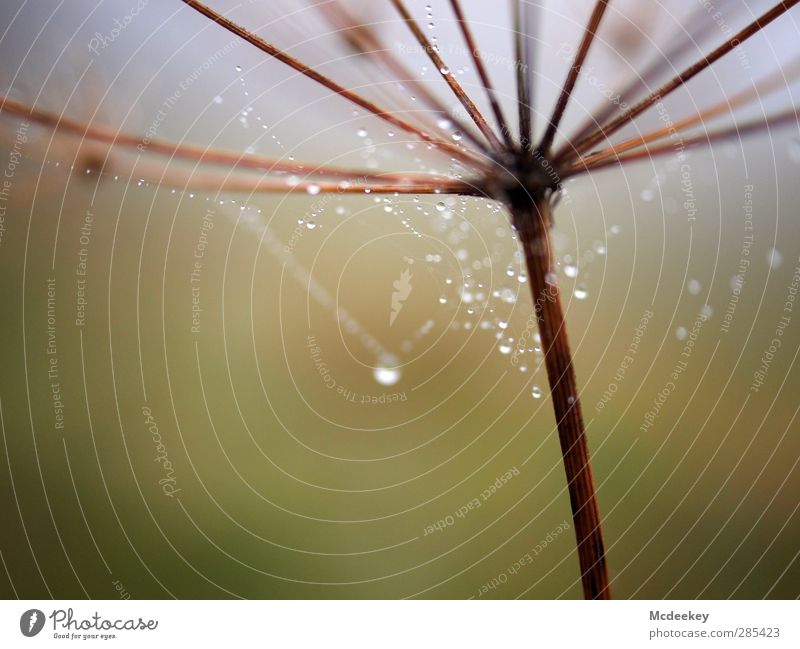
290	482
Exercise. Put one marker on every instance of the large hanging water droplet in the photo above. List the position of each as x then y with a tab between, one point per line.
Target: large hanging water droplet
386	371
440	207
774	259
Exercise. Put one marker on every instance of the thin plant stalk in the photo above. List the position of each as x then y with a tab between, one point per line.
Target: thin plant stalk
448	76
206	155
491	95
330	84
680	80
532	219
364	39
572	76
737	131
523	90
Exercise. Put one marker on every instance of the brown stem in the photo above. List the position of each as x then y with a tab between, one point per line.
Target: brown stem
736	131
364	39
466	32
447	75
532	220
775	81
678	81
201	154
330	84
572	76
523	89
692	32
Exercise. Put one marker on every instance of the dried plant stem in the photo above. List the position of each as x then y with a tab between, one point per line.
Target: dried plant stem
749	95
734	132
204	155
572	76
448	76
523	89
693	31
532	220
226	183
482	73
364	39
330	84
693	70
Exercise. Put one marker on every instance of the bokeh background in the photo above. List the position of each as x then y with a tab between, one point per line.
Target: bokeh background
288	441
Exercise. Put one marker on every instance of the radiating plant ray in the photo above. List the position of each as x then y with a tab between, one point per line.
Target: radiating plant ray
523	173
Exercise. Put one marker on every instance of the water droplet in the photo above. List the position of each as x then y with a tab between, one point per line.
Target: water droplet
510	271
387	372
311	225
440	207
536	392
457	136
218	99
313	189
238	68
502	324
362	132
681	333
647	195
693	286
505	347
442	300
581	292
570	270
444	70
774	259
